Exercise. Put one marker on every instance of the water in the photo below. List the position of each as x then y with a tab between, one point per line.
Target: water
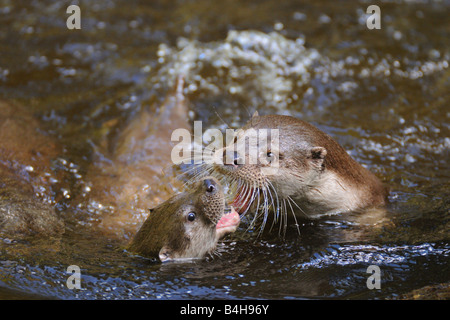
383	94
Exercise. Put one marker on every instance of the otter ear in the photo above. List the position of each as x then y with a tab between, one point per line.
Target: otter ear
318	155
165	254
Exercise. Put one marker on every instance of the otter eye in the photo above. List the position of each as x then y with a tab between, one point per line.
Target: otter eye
191	216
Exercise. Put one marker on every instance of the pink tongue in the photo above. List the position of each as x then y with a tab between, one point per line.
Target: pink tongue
228	220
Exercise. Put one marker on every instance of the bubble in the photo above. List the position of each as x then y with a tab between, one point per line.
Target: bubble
324	19
101	25
278	26
299	16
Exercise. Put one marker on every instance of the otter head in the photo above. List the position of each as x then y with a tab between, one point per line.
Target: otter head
272	159
188	225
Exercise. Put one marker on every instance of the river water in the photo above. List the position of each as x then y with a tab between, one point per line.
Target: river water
383	94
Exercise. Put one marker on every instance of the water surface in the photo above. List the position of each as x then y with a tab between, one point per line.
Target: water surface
382	94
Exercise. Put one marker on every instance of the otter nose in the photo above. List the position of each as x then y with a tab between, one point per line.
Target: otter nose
210	185
231	158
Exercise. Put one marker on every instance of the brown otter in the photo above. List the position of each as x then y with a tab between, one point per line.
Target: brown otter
186	226
314	175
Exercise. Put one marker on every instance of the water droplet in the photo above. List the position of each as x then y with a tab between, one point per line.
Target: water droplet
278	26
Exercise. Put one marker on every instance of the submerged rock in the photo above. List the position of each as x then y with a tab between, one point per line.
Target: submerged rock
434	292
26	206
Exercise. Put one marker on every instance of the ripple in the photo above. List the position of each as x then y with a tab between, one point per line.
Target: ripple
370	254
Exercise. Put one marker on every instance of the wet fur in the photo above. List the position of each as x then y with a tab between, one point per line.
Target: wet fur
168	234
316	176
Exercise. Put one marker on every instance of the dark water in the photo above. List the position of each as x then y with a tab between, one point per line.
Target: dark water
383	94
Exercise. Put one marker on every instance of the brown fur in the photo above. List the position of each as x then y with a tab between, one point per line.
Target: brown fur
314	171
169	234
336	159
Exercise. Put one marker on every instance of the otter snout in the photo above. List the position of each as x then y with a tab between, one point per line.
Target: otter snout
210	185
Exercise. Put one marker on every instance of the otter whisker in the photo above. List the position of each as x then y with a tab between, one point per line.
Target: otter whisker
252	224
266	206
218	115
249	192
273	208
285	217
216	253
233	187
293	213
191	166
279	209
290	199
257	213
196	172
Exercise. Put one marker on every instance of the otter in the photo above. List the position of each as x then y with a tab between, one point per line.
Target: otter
186	226
133	171
313	175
